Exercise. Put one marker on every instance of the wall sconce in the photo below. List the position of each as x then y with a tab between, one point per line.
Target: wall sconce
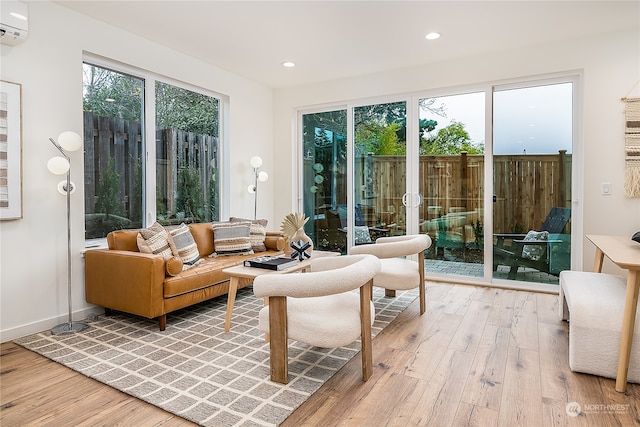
67	141
262	176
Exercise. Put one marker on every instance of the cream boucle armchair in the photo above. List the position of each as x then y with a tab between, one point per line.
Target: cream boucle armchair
398	272
318	308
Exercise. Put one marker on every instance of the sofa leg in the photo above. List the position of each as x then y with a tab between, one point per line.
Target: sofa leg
162	321
390	293
108	312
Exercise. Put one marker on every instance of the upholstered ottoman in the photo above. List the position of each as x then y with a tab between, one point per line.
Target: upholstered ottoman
593	303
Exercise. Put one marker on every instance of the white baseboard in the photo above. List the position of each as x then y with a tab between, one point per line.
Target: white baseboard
44	325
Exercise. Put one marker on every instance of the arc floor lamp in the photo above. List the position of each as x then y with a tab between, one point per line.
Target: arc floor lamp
67	142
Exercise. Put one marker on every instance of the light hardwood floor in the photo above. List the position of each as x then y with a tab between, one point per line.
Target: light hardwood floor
478	357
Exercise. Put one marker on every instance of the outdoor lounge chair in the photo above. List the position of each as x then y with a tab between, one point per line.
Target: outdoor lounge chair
534	249
336	233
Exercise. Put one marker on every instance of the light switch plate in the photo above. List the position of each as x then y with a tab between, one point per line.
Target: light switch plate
606	188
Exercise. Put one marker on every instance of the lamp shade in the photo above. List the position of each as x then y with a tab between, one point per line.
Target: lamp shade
58	165
70	141
256	161
62	187
263	176
251	188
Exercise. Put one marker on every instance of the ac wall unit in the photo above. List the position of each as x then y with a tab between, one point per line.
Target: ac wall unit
14	22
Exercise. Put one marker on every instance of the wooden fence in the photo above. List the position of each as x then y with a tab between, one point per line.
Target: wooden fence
121	140
526	187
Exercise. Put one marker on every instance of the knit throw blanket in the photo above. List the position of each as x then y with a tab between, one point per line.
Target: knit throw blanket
632	148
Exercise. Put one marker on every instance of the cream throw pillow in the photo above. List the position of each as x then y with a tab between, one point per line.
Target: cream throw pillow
155	240
184	246
232	238
257	232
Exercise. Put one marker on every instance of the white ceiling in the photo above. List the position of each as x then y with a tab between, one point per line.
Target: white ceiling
335	39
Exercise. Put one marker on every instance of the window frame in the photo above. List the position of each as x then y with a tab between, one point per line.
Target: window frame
149	125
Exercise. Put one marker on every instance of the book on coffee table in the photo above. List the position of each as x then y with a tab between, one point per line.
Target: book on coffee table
271	263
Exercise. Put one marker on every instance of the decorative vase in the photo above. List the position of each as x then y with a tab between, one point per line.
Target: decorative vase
293	230
299	235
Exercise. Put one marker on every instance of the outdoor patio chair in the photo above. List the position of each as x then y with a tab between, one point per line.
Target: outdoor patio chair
319	309
534	249
336	232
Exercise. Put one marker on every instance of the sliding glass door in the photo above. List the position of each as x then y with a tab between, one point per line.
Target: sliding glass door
487	173
532	162
379	171
451	180
324	178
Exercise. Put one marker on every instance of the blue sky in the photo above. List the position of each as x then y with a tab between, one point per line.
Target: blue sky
534	120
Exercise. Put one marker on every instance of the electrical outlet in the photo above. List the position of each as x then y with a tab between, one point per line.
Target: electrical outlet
606	188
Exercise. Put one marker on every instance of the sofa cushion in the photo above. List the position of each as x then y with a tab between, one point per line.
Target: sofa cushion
155	240
184	246
173	265
202	233
257	232
232	238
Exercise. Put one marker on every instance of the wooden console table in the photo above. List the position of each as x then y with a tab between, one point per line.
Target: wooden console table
625	253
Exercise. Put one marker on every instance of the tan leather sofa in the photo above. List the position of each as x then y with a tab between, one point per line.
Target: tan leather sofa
122	278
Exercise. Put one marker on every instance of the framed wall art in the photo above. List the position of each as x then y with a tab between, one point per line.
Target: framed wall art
10	151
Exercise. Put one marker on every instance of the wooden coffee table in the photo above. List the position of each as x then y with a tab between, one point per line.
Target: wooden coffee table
240	273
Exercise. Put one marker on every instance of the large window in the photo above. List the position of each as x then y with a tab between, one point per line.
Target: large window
186	155
124	188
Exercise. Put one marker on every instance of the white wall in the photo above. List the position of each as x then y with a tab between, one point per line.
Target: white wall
611	68
33	275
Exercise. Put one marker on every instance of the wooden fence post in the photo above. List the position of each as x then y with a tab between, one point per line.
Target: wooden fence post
464	184
561	198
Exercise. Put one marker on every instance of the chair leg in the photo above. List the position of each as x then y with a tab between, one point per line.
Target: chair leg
390	293
278	345
422	291
366	291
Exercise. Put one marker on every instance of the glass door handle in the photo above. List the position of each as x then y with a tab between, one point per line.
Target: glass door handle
416	197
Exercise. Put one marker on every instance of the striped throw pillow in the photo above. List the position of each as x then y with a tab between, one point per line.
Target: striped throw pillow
232	238
257	232
184	246
155	240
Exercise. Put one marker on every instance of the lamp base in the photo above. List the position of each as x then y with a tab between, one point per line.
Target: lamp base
68	328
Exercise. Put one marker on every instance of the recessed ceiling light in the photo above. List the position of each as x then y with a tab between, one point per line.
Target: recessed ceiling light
432	36
288	64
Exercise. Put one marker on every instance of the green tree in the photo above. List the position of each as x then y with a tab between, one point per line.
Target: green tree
452	139
111	94
135	200
214	215
190	194
109	202
379	140
179	108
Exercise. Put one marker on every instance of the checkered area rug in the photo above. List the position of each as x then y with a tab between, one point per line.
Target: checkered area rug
197	371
